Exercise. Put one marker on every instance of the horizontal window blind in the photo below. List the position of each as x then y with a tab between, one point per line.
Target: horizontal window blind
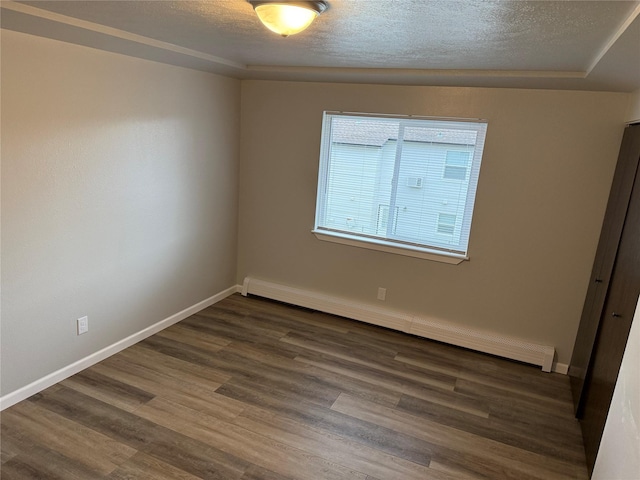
408	181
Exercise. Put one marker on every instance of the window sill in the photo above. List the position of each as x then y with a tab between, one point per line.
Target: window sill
383	246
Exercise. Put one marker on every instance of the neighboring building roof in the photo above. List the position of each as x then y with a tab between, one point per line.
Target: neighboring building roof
364	131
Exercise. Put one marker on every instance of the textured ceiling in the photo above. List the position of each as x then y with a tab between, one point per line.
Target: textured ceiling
535	44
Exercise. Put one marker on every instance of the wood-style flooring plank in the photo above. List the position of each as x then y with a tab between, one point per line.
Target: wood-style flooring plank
318	441
145	467
235	440
251	389
109	390
190	336
8	450
298	319
333	380
200	397
233	326
375	436
436	391
42	461
255	472
171	368
159	382
18	469
459	448
516	434
488	372
52	431
400	375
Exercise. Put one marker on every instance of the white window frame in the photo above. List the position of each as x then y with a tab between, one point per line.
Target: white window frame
391	245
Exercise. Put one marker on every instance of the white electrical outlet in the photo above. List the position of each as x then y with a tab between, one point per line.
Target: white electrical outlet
382	293
83	325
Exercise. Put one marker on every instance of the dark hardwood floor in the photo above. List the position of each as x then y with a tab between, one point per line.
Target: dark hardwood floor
252	389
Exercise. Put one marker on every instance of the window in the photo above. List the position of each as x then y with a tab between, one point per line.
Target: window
455	166
446	223
405	185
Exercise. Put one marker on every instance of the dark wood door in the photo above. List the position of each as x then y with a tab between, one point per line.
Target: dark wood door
614	220
613	330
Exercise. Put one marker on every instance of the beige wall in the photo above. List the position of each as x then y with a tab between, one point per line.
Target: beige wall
119	198
548	163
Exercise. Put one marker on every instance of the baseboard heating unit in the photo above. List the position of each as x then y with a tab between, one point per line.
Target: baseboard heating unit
434	329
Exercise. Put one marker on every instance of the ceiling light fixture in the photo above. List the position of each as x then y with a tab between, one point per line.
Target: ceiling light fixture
287	18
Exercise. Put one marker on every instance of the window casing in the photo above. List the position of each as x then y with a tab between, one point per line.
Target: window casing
401	184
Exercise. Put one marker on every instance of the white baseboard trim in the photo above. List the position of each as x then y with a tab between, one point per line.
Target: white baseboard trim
562	368
434	329
65	372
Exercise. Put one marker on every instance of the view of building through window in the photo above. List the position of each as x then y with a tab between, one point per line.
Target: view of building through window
404	180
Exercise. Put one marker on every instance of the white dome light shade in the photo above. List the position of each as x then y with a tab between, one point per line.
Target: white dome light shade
287	18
